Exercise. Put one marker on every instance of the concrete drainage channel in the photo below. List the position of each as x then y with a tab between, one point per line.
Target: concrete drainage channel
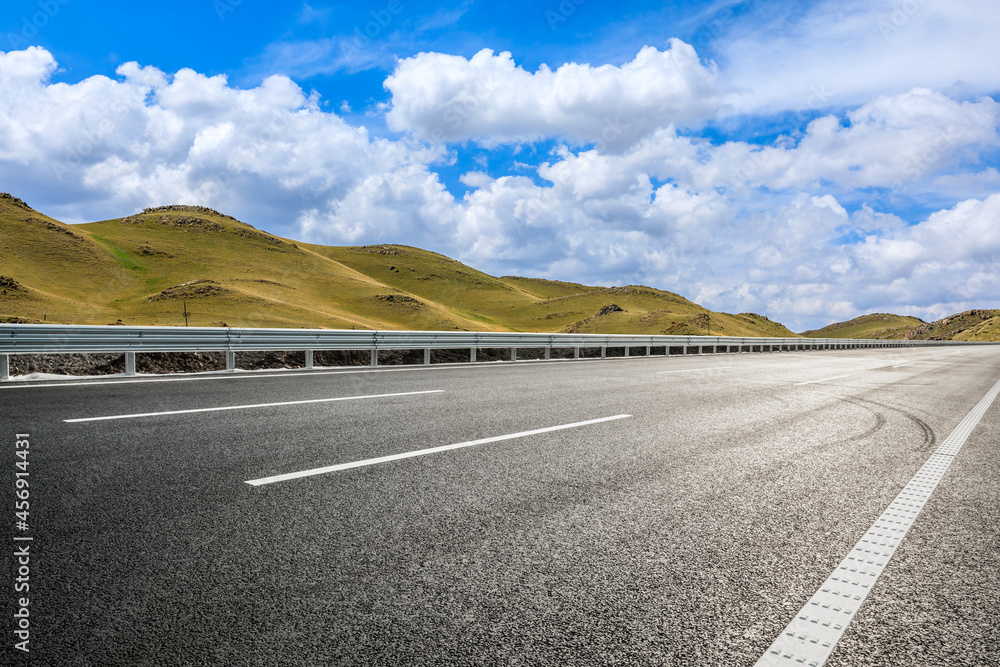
424	347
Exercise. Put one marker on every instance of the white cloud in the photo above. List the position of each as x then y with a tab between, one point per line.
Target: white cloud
889	141
854	50
149	138
406	203
490	99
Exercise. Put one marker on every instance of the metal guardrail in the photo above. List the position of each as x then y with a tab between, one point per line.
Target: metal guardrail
57	338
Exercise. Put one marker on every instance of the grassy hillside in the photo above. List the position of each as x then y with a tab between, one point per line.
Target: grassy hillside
142	269
986	330
55	272
151	267
533	304
970	325
230	273
876	325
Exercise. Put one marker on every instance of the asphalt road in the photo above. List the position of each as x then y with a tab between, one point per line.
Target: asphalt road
688	533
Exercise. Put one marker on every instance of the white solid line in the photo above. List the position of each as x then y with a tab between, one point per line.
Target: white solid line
692	370
812	635
836	377
248	407
423	452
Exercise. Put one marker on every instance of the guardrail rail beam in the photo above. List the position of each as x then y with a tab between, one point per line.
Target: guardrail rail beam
131	340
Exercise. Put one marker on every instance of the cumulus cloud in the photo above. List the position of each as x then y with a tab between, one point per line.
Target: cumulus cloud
492	100
854	50
887	142
150	138
406	203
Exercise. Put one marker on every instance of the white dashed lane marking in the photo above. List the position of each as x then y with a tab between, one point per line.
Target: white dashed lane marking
836	377
423	452
694	370
249	407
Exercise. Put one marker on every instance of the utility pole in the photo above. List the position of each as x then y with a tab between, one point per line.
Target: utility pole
708	322
185	313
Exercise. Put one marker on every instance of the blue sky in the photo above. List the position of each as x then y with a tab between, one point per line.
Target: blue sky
811	161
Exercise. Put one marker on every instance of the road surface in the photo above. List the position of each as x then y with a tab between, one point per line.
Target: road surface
643	511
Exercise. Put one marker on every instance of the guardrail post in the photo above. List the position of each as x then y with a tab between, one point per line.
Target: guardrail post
626	351
472	355
604	353
427	356
309	359
230	360
576	353
4	367
130	363
374	359
548	353
513	354
649	351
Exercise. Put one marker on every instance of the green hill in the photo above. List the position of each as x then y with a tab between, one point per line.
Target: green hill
151	268
874	326
51	269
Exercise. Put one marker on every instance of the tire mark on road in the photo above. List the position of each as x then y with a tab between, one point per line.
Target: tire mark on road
928	435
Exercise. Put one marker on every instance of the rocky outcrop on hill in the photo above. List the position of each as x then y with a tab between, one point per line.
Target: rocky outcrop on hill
14	201
606	310
188	209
